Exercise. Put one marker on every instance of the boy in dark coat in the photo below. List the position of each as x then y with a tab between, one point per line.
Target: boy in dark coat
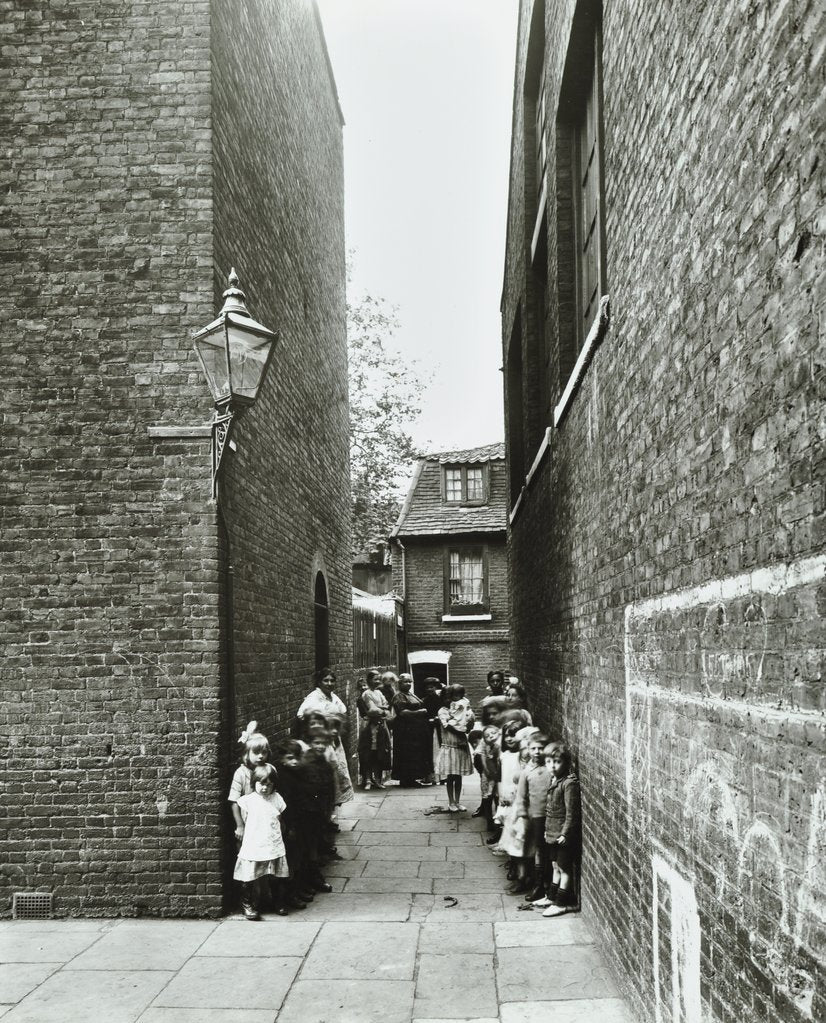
563	830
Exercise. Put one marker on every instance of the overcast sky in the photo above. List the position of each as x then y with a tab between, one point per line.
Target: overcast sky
425	87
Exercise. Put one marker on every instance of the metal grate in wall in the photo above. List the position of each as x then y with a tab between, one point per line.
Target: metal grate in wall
32	906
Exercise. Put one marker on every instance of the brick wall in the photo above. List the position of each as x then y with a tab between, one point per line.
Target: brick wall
287	486
666	558
477	647
122	217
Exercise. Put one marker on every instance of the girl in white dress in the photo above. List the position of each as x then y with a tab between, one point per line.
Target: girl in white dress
262	854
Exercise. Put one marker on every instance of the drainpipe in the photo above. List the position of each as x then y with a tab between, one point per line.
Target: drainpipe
404	573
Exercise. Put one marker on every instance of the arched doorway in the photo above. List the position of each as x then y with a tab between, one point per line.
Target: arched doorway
322	622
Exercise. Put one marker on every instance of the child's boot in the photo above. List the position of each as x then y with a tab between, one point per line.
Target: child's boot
249	900
563	902
483	809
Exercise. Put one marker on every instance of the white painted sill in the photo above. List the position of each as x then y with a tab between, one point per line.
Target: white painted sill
467	618
599	328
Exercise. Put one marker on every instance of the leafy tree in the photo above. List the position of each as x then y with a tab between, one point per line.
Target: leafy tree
385	398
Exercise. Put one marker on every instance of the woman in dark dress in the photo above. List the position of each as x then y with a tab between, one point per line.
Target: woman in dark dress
412	736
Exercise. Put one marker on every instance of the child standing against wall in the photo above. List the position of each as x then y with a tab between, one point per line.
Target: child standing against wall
563	831
256	752
531	800
512	838
262	854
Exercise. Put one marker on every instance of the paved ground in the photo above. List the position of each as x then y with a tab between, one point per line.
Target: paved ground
390	945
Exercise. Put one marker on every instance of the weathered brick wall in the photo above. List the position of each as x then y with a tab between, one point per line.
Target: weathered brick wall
279	217
666	561
477	647
112	636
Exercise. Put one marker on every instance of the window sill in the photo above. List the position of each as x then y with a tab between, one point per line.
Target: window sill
467	618
536	237
599	328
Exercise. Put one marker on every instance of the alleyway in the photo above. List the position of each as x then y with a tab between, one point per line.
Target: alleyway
417	929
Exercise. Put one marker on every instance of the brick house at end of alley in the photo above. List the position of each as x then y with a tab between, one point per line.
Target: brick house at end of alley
449	553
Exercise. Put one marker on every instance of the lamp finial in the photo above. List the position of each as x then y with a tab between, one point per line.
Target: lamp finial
234	297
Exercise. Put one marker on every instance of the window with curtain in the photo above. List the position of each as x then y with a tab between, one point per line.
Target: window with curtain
467	584
453	485
464	484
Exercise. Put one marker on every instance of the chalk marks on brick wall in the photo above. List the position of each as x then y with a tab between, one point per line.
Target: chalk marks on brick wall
675	928
720	678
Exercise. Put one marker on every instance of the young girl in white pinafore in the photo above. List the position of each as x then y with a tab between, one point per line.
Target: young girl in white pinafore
262	854
512	839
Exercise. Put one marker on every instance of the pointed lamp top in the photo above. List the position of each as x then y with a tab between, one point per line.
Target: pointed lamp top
234	297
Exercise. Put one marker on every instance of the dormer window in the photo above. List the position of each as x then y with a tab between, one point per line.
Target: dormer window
465	484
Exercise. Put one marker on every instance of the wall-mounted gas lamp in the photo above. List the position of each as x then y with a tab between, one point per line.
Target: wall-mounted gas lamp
235	353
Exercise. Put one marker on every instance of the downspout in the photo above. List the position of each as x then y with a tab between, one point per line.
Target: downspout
404	571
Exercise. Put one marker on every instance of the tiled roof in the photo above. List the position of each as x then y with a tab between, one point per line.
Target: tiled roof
485	453
425	513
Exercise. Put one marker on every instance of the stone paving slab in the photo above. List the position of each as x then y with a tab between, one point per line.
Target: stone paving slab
491	868
457	986
473	838
393	838
391	868
469	853
348	811
534	929
18	979
441	869
460	936
467	886
400	852
280	937
471	824
419	825
470	907
486	1020
242	982
579	1010
115	996
145	945
349	1001
548	974
163	1014
344	868
354	907
23	944
390	885
371	951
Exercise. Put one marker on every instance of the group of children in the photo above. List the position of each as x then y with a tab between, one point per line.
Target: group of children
283	803
531	800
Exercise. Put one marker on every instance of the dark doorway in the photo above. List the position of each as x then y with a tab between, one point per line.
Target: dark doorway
427	669
322	623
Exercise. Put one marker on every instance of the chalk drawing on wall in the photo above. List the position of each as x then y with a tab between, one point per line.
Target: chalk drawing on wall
700	655
711	811
732	652
674	905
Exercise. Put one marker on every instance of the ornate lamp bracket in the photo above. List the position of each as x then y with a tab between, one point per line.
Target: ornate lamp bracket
221	429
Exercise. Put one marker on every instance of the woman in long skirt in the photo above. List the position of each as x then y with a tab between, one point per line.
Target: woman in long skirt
412	737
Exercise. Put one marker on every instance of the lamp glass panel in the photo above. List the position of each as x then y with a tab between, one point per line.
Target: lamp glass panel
248	357
212	349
